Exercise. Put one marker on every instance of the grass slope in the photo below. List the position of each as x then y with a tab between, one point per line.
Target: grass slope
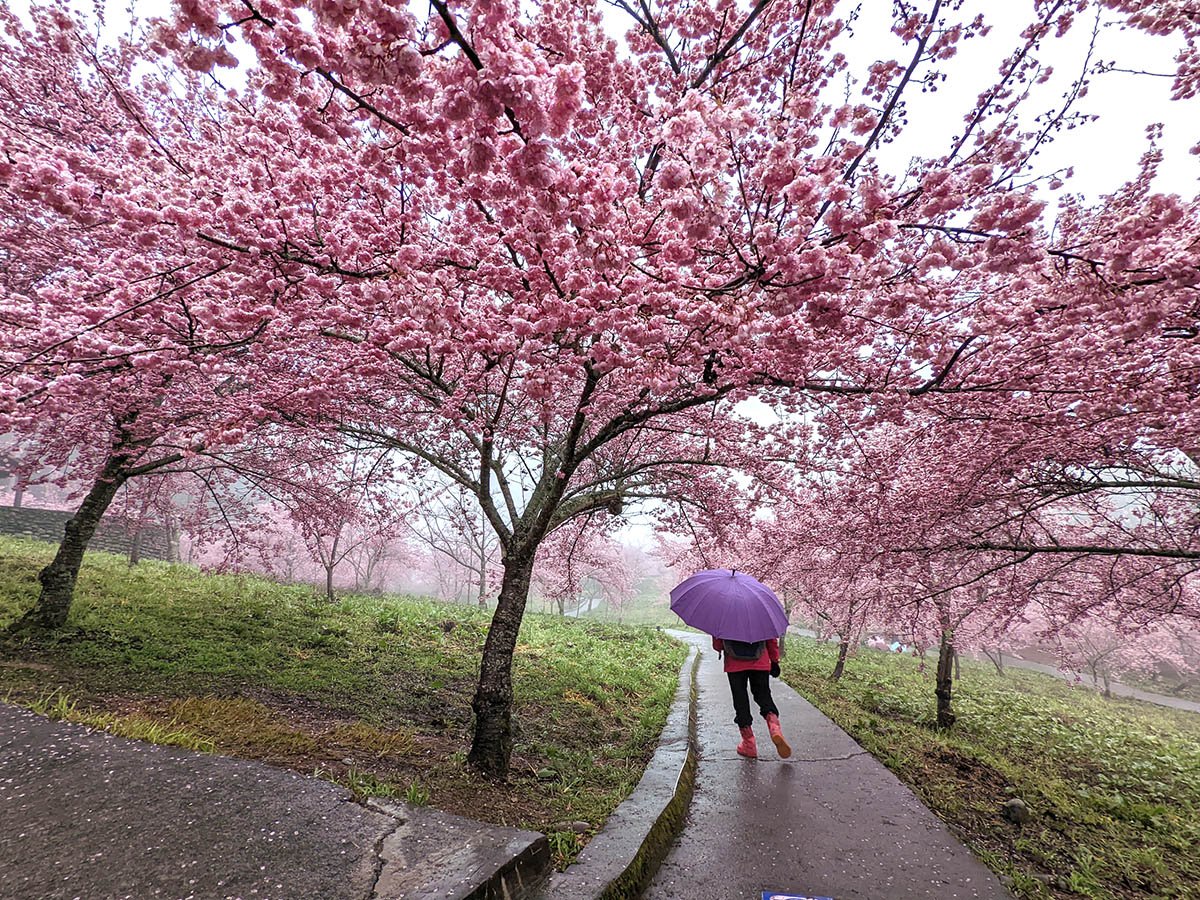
371	692
1113	785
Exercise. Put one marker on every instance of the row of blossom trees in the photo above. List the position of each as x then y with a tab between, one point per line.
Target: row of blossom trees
517	253
953	539
346	528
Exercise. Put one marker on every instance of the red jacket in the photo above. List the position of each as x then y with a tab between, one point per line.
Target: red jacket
762	664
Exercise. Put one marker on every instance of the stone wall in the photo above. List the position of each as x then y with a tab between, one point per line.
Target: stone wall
114	534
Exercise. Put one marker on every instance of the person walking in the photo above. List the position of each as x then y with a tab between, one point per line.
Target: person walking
745	619
752	665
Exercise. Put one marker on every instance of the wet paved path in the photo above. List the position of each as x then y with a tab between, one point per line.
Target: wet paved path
85	814
830	821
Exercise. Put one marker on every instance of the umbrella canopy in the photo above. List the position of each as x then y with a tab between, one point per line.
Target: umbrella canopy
729	604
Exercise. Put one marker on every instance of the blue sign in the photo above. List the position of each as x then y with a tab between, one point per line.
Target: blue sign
776	895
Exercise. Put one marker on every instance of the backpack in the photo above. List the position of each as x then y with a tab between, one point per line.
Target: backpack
744	649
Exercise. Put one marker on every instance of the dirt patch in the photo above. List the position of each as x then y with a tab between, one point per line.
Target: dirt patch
20	664
979	821
970	772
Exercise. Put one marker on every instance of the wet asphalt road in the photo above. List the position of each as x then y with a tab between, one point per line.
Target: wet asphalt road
830	821
87	815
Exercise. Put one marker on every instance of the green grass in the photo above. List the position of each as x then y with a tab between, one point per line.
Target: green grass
372	692
637	613
1113	785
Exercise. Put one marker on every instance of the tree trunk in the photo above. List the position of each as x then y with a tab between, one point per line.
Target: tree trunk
957	666
329	564
491	747
135	548
173	536
1102	679
997	660
374	559
840	666
482	578
58	579
945	681
18	493
783	645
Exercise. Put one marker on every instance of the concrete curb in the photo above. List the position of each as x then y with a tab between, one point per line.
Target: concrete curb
619	861
432	855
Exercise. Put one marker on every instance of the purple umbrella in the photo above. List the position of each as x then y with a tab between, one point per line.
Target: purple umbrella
729	604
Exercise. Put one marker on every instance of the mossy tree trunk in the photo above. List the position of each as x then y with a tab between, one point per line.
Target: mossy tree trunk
840	666
58	579
945	681
492	745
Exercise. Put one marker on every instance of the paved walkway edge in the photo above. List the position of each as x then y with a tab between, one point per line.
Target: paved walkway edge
433	855
620	860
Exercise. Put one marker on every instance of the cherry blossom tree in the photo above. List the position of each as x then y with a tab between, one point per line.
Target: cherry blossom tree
276	549
583	254
580	552
1107	644
452	526
550	265
904	527
379	557
956	505
344	507
120	358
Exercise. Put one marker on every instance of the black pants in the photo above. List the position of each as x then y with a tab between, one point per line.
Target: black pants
760	687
